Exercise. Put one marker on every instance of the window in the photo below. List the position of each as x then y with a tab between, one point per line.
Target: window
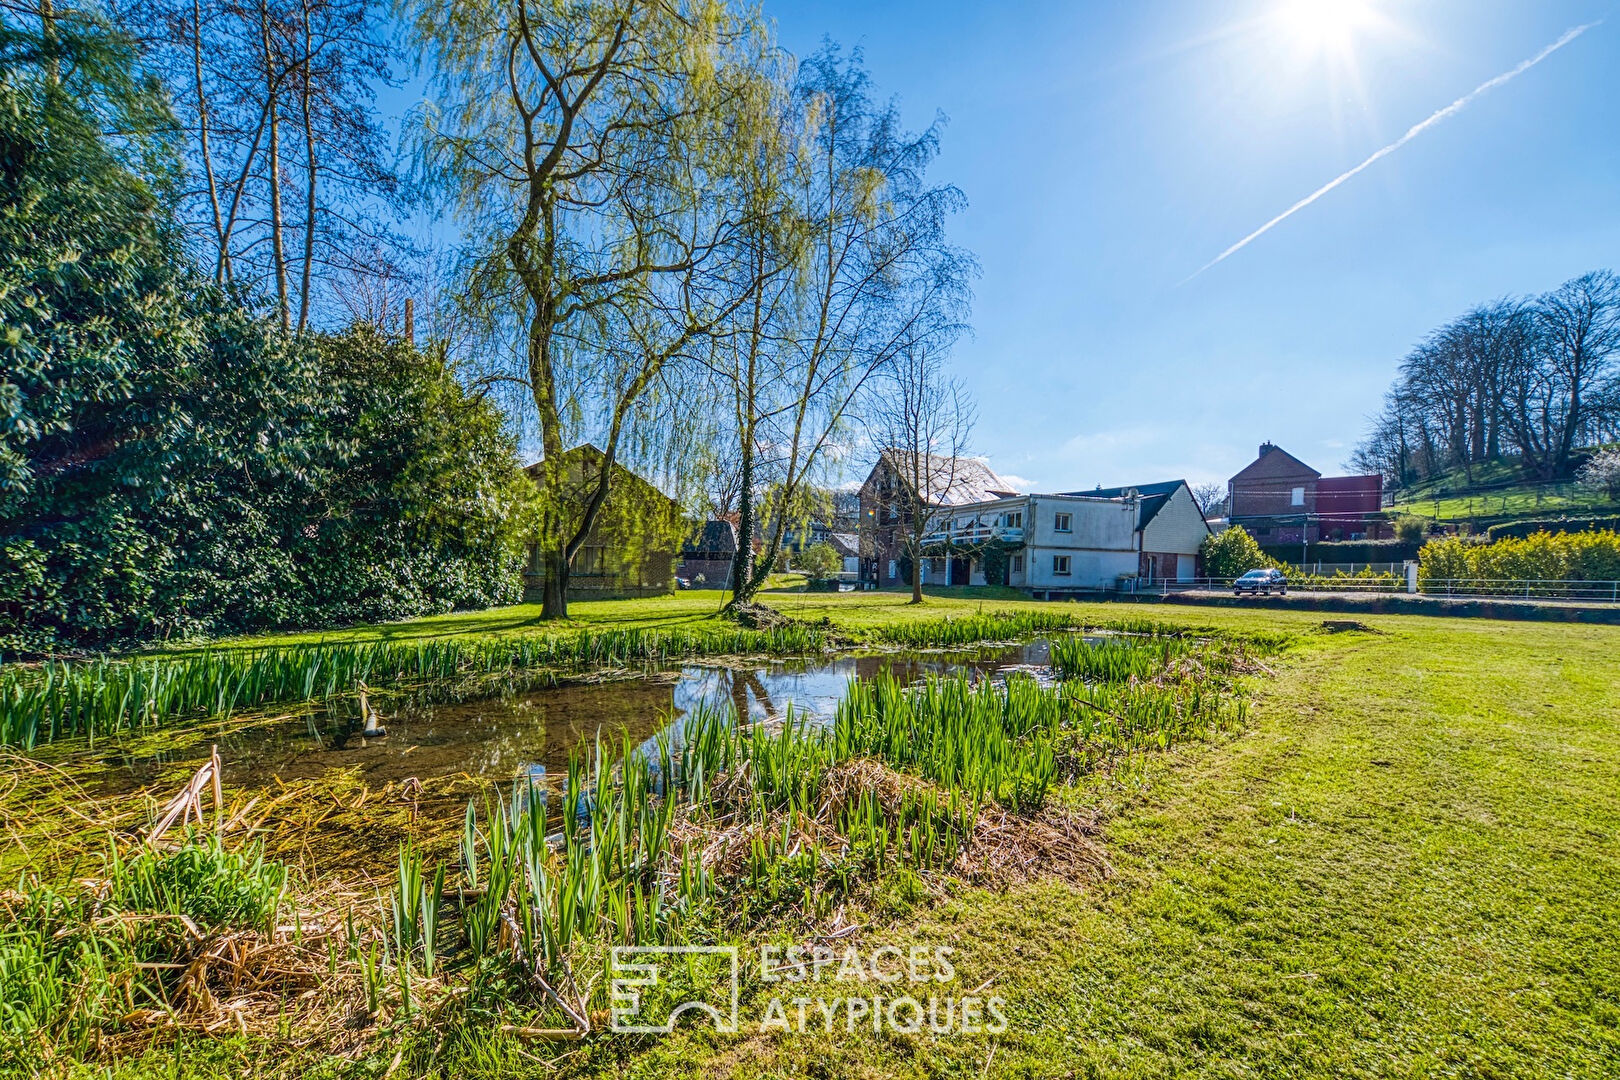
1299	497
1060	565
891	569
1062	522
1018	564
1013	520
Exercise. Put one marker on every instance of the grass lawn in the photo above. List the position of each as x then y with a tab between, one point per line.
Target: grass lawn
1408	865
851	612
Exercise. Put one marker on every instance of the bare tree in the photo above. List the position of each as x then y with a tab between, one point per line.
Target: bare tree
921	422
266	91
1211	499
850	271
1534	378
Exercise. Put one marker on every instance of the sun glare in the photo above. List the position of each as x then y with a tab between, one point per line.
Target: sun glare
1317	26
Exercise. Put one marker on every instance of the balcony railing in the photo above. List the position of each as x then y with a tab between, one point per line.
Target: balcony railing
975	534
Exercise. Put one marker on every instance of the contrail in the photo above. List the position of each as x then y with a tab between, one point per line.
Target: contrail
1411	133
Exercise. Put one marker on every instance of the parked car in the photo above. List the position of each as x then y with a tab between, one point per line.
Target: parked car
1260	582
682	583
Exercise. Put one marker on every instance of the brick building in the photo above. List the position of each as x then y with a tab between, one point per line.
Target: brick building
1278	499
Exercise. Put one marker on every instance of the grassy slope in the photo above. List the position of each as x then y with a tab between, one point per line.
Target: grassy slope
1452	497
1410	866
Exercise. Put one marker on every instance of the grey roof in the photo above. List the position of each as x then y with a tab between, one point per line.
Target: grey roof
965	480
1153	496
846	544
717	535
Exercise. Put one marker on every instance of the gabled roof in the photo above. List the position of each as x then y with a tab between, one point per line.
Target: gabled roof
717	534
846	544
965	480
1269	453
1153	497
582	467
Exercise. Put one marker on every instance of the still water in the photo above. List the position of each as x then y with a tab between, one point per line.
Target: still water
533	731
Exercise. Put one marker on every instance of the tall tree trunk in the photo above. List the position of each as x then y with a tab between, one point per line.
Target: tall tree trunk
554	595
222	263
742	561
310	172
272	87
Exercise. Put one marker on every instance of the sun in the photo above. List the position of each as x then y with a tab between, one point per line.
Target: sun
1325	26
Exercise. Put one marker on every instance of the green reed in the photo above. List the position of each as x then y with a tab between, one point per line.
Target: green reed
104	696
1116	659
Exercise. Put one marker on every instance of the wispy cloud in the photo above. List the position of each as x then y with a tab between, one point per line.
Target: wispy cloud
1411	133
1019	483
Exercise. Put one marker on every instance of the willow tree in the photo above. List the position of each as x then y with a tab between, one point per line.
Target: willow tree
854	274
590	148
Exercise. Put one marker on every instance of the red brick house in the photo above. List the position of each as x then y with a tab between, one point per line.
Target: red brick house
1278	499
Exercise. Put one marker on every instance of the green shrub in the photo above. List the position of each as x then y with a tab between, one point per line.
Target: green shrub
1410	529
1231	553
819	561
1579	556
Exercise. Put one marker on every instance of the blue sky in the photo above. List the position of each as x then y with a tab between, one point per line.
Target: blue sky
1110	149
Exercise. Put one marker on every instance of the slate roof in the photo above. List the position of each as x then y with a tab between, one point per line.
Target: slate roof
1153	496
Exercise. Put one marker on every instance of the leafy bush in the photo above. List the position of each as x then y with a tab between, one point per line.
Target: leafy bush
1579	556
819	561
1410	529
1231	553
1348	551
173	464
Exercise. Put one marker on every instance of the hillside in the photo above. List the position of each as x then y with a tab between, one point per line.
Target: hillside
1499	492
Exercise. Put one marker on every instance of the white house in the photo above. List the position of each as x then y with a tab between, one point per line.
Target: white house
1073	542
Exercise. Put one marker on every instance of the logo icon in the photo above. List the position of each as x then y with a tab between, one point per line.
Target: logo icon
654	984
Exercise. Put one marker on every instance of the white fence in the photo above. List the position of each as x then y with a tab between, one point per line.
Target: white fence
1461	588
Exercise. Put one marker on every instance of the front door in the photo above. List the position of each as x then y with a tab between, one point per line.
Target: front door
961	571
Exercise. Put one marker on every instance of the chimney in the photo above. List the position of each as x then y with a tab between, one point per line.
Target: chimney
410	321
1265	447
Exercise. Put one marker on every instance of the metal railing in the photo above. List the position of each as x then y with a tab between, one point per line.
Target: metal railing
1460	588
975	534
1528	589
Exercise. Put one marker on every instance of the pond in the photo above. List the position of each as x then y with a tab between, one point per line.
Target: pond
528	731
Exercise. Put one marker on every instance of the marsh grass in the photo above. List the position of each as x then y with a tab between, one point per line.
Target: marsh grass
95	698
709	834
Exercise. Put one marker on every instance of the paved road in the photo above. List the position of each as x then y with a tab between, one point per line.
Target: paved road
1490	607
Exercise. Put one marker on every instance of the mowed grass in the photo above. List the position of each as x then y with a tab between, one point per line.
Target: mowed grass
857	614
1409	866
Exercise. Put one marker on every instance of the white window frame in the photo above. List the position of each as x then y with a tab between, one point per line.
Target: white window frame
894	570
1060	566
1018	564
1063	523
1297	498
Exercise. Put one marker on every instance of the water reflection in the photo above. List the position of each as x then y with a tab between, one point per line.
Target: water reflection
531	732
